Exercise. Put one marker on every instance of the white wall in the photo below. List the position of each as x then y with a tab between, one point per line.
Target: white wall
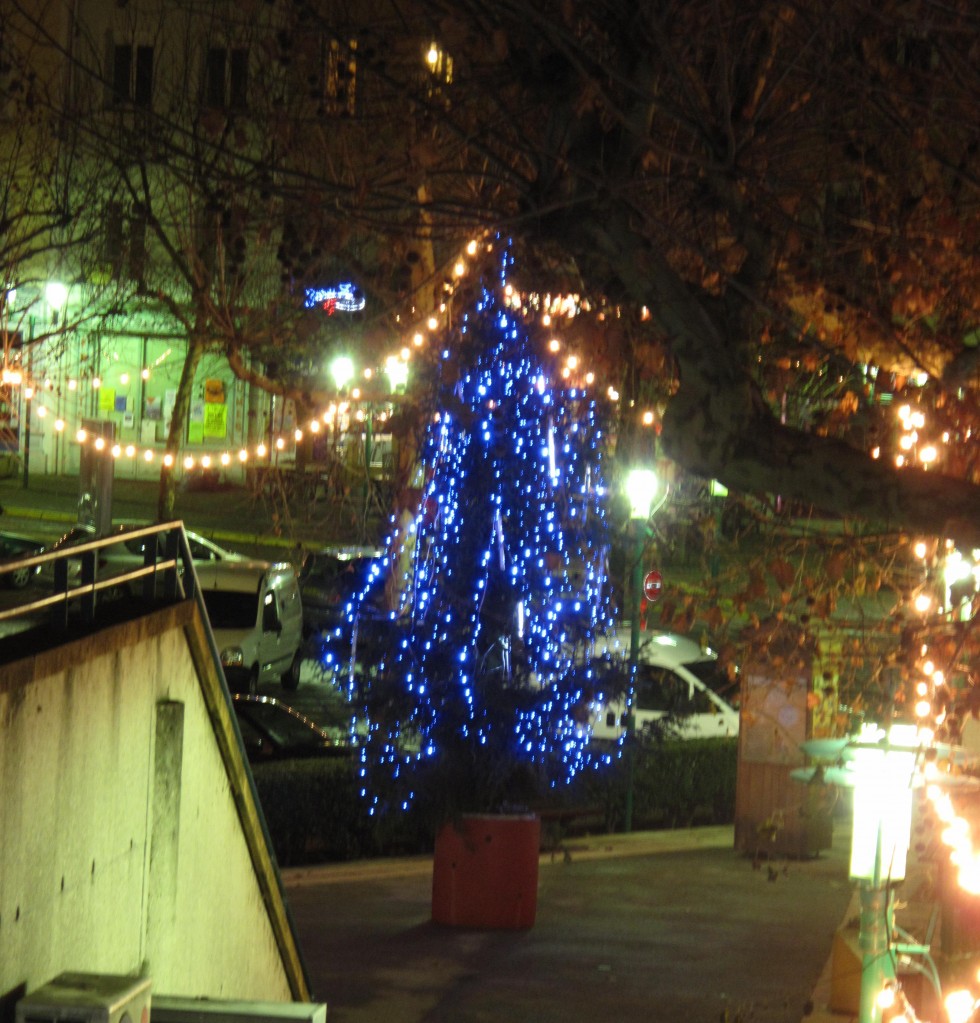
128	837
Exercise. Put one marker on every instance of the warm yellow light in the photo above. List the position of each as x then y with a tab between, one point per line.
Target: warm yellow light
28	392
918	420
554	345
573	362
590	378
280	444
261	451
72	384
168	460
130	450
899	461
356	393
928	454
647	418
13	377
460	268
886	997
923	708
145	374
148	455
59	425
123	379
100	443
116	450
417	340
876	452
922	603
546	320
432	323
41	411
314	426
242	455
189	462
225	458
566	373
298	435
920	549
96	383
959	1006
205	461
471	247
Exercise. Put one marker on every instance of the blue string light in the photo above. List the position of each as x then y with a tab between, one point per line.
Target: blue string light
507	587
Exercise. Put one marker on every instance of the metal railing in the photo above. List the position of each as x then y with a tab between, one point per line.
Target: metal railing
77	576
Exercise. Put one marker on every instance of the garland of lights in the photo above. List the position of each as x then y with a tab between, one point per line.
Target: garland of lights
506	592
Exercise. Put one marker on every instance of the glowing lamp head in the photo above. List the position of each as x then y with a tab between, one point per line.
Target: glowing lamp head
641	489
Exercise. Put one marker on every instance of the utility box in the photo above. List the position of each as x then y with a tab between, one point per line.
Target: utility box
170	1009
87	998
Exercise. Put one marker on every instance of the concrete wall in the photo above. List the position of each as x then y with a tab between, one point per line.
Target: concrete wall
130	842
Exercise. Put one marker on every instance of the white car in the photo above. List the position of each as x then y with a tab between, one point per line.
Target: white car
129	554
675	677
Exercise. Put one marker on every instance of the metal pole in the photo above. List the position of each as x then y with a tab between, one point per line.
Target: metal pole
874	939
630	741
28	390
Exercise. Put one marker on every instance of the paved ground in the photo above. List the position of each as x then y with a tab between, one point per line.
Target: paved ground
671	926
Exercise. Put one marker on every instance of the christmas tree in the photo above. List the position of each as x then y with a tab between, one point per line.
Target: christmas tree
479	694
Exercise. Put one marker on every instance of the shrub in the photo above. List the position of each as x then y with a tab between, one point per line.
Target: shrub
314	813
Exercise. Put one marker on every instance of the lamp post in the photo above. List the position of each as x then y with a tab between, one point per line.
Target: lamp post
641	489
884	767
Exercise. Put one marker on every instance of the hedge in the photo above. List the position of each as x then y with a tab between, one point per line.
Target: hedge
314	813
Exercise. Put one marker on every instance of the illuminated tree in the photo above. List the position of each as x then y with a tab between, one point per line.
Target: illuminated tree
484	691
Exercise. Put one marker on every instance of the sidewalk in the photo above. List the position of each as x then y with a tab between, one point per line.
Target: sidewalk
673	924
668	925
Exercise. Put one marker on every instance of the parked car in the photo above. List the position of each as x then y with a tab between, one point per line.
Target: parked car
12	548
129	554
257	618
271	730
678	686
330	579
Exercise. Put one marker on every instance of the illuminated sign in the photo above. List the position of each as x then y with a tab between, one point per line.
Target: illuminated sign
341	298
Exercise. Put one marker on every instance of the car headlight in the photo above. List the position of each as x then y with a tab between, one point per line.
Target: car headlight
232	657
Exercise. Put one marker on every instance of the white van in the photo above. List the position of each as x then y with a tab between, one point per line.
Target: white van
257	619
674	676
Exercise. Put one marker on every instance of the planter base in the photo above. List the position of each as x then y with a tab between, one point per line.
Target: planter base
485	872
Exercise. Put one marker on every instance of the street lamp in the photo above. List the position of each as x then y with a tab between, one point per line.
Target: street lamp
642	488
342	371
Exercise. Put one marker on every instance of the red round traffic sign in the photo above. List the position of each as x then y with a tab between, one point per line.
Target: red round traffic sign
653	585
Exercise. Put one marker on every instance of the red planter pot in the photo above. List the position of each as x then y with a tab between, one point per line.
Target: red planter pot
485	873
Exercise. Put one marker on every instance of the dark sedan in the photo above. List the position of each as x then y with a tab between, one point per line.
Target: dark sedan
12	548
333	577
271	730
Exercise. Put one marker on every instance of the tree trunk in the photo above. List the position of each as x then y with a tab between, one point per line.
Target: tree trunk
178	423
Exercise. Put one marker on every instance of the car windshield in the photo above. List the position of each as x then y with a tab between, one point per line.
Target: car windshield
286	730
710	672
230	609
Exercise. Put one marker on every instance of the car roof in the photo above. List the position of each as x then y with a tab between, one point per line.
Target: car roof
657	646
244	576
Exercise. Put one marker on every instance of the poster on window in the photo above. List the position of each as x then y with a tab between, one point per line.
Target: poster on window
215	420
